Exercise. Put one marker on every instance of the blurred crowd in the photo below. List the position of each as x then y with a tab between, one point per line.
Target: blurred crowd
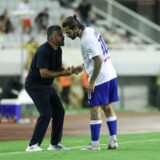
24	10
41	19
37	21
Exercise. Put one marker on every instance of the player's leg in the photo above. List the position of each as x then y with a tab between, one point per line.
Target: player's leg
95	126
111	121
111	94
108	95
94	101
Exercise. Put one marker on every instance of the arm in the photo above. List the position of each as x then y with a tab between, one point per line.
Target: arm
45	73
96	70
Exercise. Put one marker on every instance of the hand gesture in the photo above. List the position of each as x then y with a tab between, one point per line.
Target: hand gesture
77	69
68	71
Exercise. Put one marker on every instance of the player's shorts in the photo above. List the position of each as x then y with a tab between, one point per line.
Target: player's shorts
104	94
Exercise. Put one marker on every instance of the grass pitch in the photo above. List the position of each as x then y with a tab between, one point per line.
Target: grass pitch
131	147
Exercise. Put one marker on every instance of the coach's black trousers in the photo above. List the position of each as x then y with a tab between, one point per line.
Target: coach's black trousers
49	105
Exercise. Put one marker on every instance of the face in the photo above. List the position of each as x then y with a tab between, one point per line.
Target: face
71	33
59	38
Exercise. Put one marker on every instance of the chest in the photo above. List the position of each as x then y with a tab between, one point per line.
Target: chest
55	61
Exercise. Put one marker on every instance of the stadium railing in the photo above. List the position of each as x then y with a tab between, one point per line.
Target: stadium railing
117	14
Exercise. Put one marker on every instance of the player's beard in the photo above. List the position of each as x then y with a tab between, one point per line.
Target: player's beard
74	36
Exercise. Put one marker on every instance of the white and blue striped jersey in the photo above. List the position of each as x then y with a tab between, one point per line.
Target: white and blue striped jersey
93	45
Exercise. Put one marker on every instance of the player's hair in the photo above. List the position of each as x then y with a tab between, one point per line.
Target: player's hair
52	30
72	22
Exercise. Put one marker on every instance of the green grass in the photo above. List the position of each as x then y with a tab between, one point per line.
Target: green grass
131	147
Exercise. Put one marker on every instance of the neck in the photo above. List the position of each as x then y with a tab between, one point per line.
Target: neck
53	45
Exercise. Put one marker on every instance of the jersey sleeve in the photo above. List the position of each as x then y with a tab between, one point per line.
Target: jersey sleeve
91	46
42	60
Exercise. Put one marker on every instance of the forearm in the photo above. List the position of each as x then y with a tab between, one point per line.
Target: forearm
97	68
45	73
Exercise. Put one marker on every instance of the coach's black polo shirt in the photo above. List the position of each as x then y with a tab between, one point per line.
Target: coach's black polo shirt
45	58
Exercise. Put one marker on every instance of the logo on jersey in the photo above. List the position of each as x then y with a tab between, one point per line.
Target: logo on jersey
89	50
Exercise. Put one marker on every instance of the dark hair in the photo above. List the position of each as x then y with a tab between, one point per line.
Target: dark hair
52	29
72	22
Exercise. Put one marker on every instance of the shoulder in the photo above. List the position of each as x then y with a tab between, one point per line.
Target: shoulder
89	35
42	49
89	30
45	46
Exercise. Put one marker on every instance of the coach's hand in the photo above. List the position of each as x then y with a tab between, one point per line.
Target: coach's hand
68	71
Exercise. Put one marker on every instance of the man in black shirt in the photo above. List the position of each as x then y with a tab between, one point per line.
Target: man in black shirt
45	66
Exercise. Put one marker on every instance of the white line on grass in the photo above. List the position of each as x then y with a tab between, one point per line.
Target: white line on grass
77	147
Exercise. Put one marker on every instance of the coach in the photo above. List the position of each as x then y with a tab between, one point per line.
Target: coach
45	66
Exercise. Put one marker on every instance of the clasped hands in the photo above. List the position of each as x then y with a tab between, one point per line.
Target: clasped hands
73	70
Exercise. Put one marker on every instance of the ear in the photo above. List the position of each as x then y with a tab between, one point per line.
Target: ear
76	29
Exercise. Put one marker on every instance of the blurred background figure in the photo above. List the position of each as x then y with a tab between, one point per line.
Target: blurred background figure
83	11
12	88
42	20
5	22
31	47
24	6
66	3
1	35
63	3
61	19
65	84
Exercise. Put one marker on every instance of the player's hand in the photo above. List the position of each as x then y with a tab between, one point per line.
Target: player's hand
78	69
69	68
90	87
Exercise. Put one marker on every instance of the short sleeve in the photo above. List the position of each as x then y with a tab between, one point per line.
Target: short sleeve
91	48
42	60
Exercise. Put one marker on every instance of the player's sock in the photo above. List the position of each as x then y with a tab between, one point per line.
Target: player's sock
95	126
112	126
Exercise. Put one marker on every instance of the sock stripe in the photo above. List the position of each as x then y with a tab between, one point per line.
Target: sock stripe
111	119
96	122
